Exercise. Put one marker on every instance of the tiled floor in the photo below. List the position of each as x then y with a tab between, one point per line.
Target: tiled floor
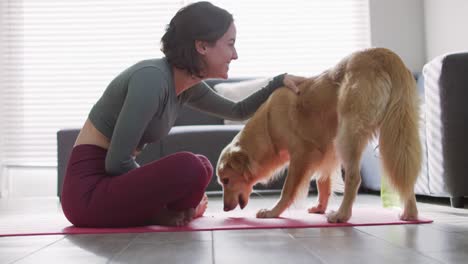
444	241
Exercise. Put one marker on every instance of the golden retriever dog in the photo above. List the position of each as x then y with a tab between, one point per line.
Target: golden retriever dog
369	93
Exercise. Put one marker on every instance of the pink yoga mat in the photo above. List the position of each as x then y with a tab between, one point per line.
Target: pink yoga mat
55	224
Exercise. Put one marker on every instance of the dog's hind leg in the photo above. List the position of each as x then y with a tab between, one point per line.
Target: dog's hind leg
324	182
350	143
324	192
301	167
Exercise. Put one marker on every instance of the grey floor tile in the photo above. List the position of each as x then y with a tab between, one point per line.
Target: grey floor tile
17	247
451	256
361	248
173	252
447	246
259	246
81	249
420	238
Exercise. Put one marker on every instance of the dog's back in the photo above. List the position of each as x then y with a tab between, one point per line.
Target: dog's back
362	88
310	116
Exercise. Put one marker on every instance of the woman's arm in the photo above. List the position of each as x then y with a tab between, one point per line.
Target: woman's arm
203	98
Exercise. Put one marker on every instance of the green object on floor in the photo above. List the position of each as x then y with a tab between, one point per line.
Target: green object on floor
388	195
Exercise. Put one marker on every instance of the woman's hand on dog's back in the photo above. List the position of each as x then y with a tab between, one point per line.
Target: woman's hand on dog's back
292	81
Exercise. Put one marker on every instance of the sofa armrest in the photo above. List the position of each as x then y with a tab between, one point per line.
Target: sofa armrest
65	141
446	89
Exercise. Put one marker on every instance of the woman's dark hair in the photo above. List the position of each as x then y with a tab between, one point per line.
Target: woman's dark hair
198	21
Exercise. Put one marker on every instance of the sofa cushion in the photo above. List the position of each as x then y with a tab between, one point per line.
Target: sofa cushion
189	117
237	91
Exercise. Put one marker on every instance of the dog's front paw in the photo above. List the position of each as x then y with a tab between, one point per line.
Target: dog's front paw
265	213
318	209
338	217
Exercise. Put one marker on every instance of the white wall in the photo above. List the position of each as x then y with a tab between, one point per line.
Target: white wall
446	25
399	26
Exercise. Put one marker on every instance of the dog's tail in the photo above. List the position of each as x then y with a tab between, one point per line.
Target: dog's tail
399	142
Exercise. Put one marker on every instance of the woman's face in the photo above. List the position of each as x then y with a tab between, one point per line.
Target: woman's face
218	56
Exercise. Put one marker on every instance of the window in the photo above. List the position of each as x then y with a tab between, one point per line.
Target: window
58	56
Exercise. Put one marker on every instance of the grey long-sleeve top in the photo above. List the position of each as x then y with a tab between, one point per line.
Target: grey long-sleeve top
140	106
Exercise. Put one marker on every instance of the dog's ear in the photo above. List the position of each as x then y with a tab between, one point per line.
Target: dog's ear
239	161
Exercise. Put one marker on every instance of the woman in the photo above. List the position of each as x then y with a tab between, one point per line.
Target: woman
104	186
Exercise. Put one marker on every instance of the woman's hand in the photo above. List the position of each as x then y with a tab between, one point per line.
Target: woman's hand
136	152
292	81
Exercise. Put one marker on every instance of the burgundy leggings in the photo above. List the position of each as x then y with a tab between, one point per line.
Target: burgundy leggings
91	198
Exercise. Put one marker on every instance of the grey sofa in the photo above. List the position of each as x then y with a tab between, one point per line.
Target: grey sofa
443	87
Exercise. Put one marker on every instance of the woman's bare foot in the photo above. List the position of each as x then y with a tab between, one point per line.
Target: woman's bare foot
201	207
198	211
167	217
181	218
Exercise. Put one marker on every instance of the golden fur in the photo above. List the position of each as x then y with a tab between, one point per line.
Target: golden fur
370	92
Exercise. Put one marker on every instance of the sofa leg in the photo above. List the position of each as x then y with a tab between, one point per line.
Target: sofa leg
457	202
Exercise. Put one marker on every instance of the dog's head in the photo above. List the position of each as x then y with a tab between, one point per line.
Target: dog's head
235	175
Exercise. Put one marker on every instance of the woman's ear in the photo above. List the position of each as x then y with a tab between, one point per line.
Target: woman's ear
201	46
